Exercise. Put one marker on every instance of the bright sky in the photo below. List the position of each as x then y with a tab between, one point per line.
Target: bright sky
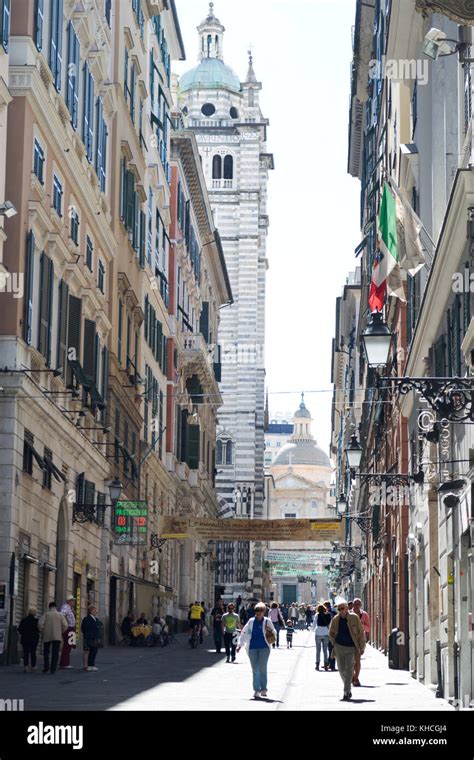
302	53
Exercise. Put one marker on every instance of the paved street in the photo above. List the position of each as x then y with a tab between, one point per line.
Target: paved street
177	678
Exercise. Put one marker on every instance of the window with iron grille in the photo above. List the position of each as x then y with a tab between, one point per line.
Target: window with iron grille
28	452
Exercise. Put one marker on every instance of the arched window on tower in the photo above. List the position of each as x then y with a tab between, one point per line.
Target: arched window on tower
228	167
251	97
229	453
217	44
219	453
209	45
216	167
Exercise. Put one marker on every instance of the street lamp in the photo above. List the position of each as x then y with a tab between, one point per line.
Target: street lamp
377	340
354	453
115	489
341	505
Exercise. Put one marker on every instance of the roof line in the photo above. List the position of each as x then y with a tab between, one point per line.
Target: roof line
178	29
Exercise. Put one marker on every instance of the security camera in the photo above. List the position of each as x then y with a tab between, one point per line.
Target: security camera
436	44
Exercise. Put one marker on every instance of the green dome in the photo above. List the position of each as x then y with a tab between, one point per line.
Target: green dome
211	74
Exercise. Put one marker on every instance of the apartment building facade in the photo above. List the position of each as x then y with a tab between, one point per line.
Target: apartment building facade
94	364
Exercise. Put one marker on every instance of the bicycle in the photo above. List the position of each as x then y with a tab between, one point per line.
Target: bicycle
194	637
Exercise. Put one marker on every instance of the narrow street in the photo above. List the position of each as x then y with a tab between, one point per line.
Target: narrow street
178	678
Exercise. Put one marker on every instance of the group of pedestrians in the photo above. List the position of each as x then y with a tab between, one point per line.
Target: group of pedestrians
340	634
59	627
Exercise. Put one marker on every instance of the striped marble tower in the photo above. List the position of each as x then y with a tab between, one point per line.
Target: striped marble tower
231	134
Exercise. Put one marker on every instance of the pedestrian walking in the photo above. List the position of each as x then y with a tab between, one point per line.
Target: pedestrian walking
243	616
216	615
289	633
294	614
277	620
321	625
203	623
52	625
230	626
309	617
257	636
69	636
29	633
332	656
364	619
347	636
90	628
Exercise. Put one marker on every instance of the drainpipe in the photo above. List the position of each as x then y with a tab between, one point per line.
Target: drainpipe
440	689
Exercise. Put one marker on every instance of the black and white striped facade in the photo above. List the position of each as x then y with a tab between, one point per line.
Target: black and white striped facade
231	135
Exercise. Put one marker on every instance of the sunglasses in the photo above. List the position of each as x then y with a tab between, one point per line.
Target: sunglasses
341	609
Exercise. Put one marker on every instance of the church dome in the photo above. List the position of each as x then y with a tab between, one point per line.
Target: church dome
301	453
210	74
303	412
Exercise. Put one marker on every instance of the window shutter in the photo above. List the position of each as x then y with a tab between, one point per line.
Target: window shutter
145	323
73	63
204	321
119	345
165	356
105	380
142	238
450	344
88	361
466	306
80	489
90	143
192	454
62	327
73	332
130	200
53	44
97	357
39	21
59	49
439	367
98	149
46	293
159	344
160	429
89	493
29	268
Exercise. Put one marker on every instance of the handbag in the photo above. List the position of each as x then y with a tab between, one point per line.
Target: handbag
270	636
92	643
205	632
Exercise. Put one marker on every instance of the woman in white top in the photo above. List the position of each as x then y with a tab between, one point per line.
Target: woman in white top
256	637
277	619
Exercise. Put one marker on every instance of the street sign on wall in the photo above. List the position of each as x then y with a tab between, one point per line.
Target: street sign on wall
130	522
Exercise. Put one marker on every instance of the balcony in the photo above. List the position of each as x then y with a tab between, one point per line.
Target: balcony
222	184
197	358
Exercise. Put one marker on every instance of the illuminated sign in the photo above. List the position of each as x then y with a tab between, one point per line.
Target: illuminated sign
130	523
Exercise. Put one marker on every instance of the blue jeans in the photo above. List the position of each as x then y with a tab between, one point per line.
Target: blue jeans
324	641
259	661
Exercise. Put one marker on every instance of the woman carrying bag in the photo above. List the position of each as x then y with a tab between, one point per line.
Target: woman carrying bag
257	637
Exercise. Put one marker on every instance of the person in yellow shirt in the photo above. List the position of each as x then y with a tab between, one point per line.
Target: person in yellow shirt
194	617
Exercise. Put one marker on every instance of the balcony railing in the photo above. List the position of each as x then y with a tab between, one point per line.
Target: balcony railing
222	184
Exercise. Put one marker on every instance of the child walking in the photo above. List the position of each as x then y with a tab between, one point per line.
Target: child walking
289	634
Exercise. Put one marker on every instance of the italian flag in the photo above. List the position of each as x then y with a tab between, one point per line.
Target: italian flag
387	258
